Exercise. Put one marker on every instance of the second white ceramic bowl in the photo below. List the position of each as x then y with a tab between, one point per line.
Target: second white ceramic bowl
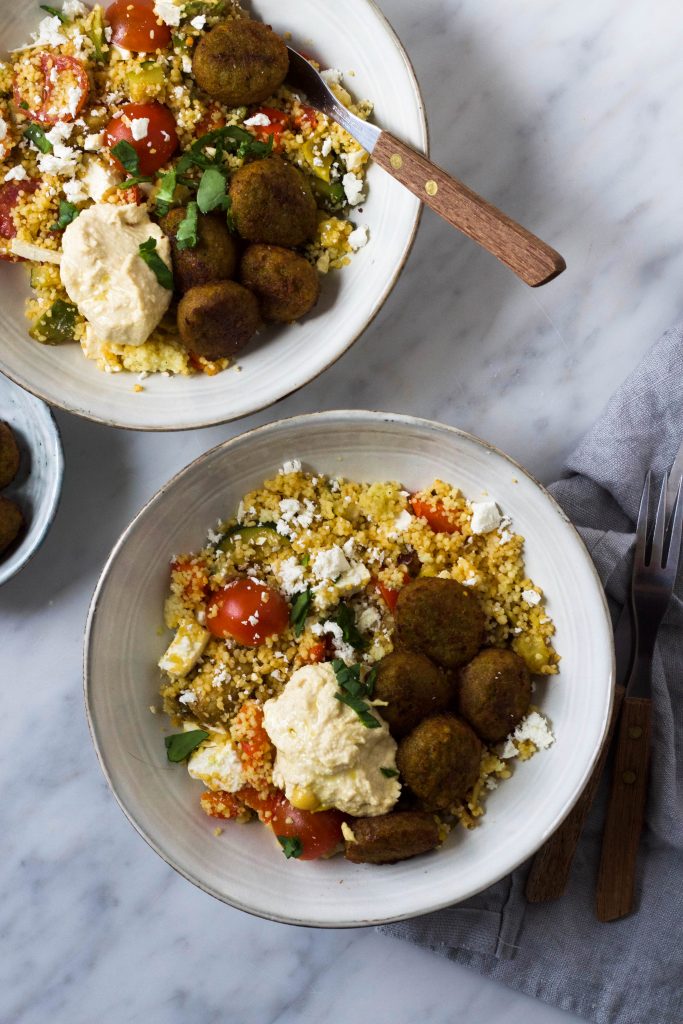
244	866
352	36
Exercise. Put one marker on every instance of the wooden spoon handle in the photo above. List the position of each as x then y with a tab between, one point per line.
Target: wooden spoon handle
551	866
530	258
625	812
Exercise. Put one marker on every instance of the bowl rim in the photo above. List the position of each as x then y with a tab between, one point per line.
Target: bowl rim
361	415
56	495
85	413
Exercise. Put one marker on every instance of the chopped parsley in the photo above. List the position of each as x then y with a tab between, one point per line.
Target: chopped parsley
291	846
354	692
166	187
180	745
186	235
67	213
299	610
35	134
212	191
127	156
148	253
389	773
346	621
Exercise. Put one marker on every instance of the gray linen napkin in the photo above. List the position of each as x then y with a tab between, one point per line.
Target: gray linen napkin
628	971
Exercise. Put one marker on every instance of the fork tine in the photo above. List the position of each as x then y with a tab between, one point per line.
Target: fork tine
643	517
657	553
676	531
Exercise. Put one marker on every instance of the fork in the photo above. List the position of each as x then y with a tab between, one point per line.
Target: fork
532	260
654	575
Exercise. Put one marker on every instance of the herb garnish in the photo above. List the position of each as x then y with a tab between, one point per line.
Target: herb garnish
353	692
165	191
127	155
148	253
35	134
186	235
299	610
67	213
291	846
346	621
389	773
54	12
180	745
212	191
305	559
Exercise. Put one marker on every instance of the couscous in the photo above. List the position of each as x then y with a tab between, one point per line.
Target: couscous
169	192
351	655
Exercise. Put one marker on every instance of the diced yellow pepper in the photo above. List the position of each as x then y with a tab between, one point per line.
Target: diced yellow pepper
145	82
320	165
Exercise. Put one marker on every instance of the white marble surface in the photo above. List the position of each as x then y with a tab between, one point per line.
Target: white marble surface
560	114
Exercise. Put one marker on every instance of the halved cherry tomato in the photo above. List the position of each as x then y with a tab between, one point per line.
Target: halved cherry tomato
214	118
279	123
135	26
248	611
319	832
128	196
219	804
258	747
390	594
10	194
317	653
438	518
158	145
61	92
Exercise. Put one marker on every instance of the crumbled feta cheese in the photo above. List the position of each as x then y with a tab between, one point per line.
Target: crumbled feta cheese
508	751
3	129
341	649
535	728
49	34
138	128
73	8
349	547
93	143
167	11
98	179
258	120
187	697
531	597
74	95
368	619
290	466
326	147
16	173
62	160
354	159
290	576
108	33
471	581
353	188
186	63
199	22
74	191
353	580
330	564
185	649
59	132
403	521
491	782
485	516
359	237
331	76
217	764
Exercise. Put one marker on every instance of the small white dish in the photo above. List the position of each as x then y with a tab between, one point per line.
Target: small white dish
38	484
243	866
354	37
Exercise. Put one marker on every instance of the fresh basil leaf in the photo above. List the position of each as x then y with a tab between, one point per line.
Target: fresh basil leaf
148	253
211	194
35	134
67	213
135	180
54	12
346	621
186	235
180	745
165	191
127	156
389	773
24	105
291	846
299	610
361	709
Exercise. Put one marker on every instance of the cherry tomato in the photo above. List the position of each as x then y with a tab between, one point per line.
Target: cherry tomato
61	92
308	118
158	145
389	595
317	653
319	832
218	804
248	611
259	747
214	118
279	123
135	26
10	193
438	518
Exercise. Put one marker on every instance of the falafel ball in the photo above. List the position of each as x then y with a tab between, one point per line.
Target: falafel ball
440	618
240	62
218	319
285	284
272	202
11	522
413	688
213	258
439	760
9	455
388	838
494	693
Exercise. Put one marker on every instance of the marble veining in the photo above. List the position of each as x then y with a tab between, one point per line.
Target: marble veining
558	113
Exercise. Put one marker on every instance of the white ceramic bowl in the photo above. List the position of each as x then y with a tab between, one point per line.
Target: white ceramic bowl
244	867
352	36
38	484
